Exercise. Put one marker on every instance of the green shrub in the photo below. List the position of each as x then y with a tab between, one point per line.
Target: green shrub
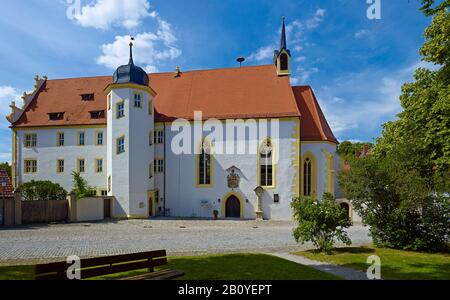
320	222
42	190
397	204
81	187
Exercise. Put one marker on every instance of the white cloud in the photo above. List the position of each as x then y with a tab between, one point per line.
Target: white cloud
371	98
150	49
104	14
263	53
7	94
305	74
361	33
300	59
296	32
316	20
295	80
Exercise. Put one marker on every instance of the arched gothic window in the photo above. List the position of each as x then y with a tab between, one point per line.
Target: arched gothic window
307	177
204	167
266	166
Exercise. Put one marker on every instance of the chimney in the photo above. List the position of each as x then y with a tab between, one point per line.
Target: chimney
177	72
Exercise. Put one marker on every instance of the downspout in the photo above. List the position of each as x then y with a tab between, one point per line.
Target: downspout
165	160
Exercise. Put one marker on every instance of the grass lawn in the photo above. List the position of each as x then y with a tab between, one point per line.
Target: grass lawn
395	264
213	267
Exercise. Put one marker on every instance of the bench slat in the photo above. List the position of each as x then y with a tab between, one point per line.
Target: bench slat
107	260
104	265
160	275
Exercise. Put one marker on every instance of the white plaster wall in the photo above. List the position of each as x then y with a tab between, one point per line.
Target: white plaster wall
140	156
316	148
47	154
118	165
159	177
184	198
129	171
90	209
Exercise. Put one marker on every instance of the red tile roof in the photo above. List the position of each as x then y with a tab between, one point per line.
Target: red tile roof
6	189
314	126
247	92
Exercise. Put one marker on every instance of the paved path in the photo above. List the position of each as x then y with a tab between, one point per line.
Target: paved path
34	244
345	273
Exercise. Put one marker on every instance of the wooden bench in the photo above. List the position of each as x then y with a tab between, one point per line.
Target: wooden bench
99	266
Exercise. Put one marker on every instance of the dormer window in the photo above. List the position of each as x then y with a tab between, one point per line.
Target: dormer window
56	116
87	97
98	114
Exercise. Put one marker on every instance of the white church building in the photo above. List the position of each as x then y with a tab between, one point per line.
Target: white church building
119	134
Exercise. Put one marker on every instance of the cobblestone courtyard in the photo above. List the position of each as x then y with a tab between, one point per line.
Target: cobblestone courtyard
32	244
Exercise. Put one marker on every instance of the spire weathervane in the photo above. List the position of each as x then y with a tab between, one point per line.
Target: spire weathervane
283	36
131	51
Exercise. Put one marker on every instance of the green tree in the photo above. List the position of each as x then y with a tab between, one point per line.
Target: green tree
320	222
402	191
7	167
81	187
348	149
42	190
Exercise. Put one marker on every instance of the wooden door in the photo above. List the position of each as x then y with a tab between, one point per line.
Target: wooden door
106	208
233	207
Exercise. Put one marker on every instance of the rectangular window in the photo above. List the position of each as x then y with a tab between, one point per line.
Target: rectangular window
99	165
98	114
81	138
157	196
109	184
204	168
150	107
30	166
104	192
158	137
158	166
60	139
137	100
120	145
120	110
30	140
56	116
99	138
81	165
87	97
60	166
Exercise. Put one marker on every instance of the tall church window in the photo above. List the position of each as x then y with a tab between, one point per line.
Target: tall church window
204	165
307	177
266	165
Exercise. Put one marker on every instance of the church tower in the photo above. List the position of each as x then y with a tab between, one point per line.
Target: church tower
282	57
130	153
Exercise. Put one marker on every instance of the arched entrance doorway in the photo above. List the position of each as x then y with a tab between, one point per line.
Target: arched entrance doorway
346	208
233	207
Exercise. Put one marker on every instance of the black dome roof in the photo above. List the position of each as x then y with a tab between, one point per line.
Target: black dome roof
130	73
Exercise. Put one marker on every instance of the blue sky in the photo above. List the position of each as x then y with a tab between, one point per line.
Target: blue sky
356	66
